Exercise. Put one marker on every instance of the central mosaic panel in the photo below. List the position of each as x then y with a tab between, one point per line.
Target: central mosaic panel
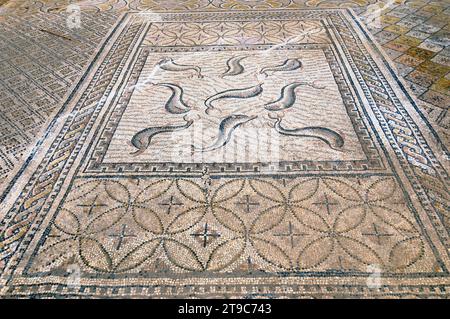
202	106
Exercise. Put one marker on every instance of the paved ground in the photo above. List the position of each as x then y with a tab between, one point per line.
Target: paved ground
41	59
220	154
416	35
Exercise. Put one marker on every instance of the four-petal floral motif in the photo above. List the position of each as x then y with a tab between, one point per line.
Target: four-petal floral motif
291	225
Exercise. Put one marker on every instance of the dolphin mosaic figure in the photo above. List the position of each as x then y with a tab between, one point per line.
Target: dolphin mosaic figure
288	65
287	97
234	66
226	129
142	139
330	137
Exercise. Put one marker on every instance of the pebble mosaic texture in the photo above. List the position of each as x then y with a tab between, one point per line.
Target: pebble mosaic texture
416	35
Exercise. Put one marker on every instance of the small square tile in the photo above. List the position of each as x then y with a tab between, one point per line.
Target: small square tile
374	25
425	14
403	70
398	13
445	52
408	60
428	28
398	46
393	54
389	19
416	4
433	9
442	86
417	89
385	36
408	23
439	20
441	59
441	38
413	42
359	10
397	29
430	46
405	8
421	78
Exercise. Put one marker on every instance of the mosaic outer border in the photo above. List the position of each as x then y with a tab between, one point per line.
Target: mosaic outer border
21	215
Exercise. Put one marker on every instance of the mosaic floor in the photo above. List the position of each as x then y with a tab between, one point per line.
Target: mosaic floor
415	34
224	149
